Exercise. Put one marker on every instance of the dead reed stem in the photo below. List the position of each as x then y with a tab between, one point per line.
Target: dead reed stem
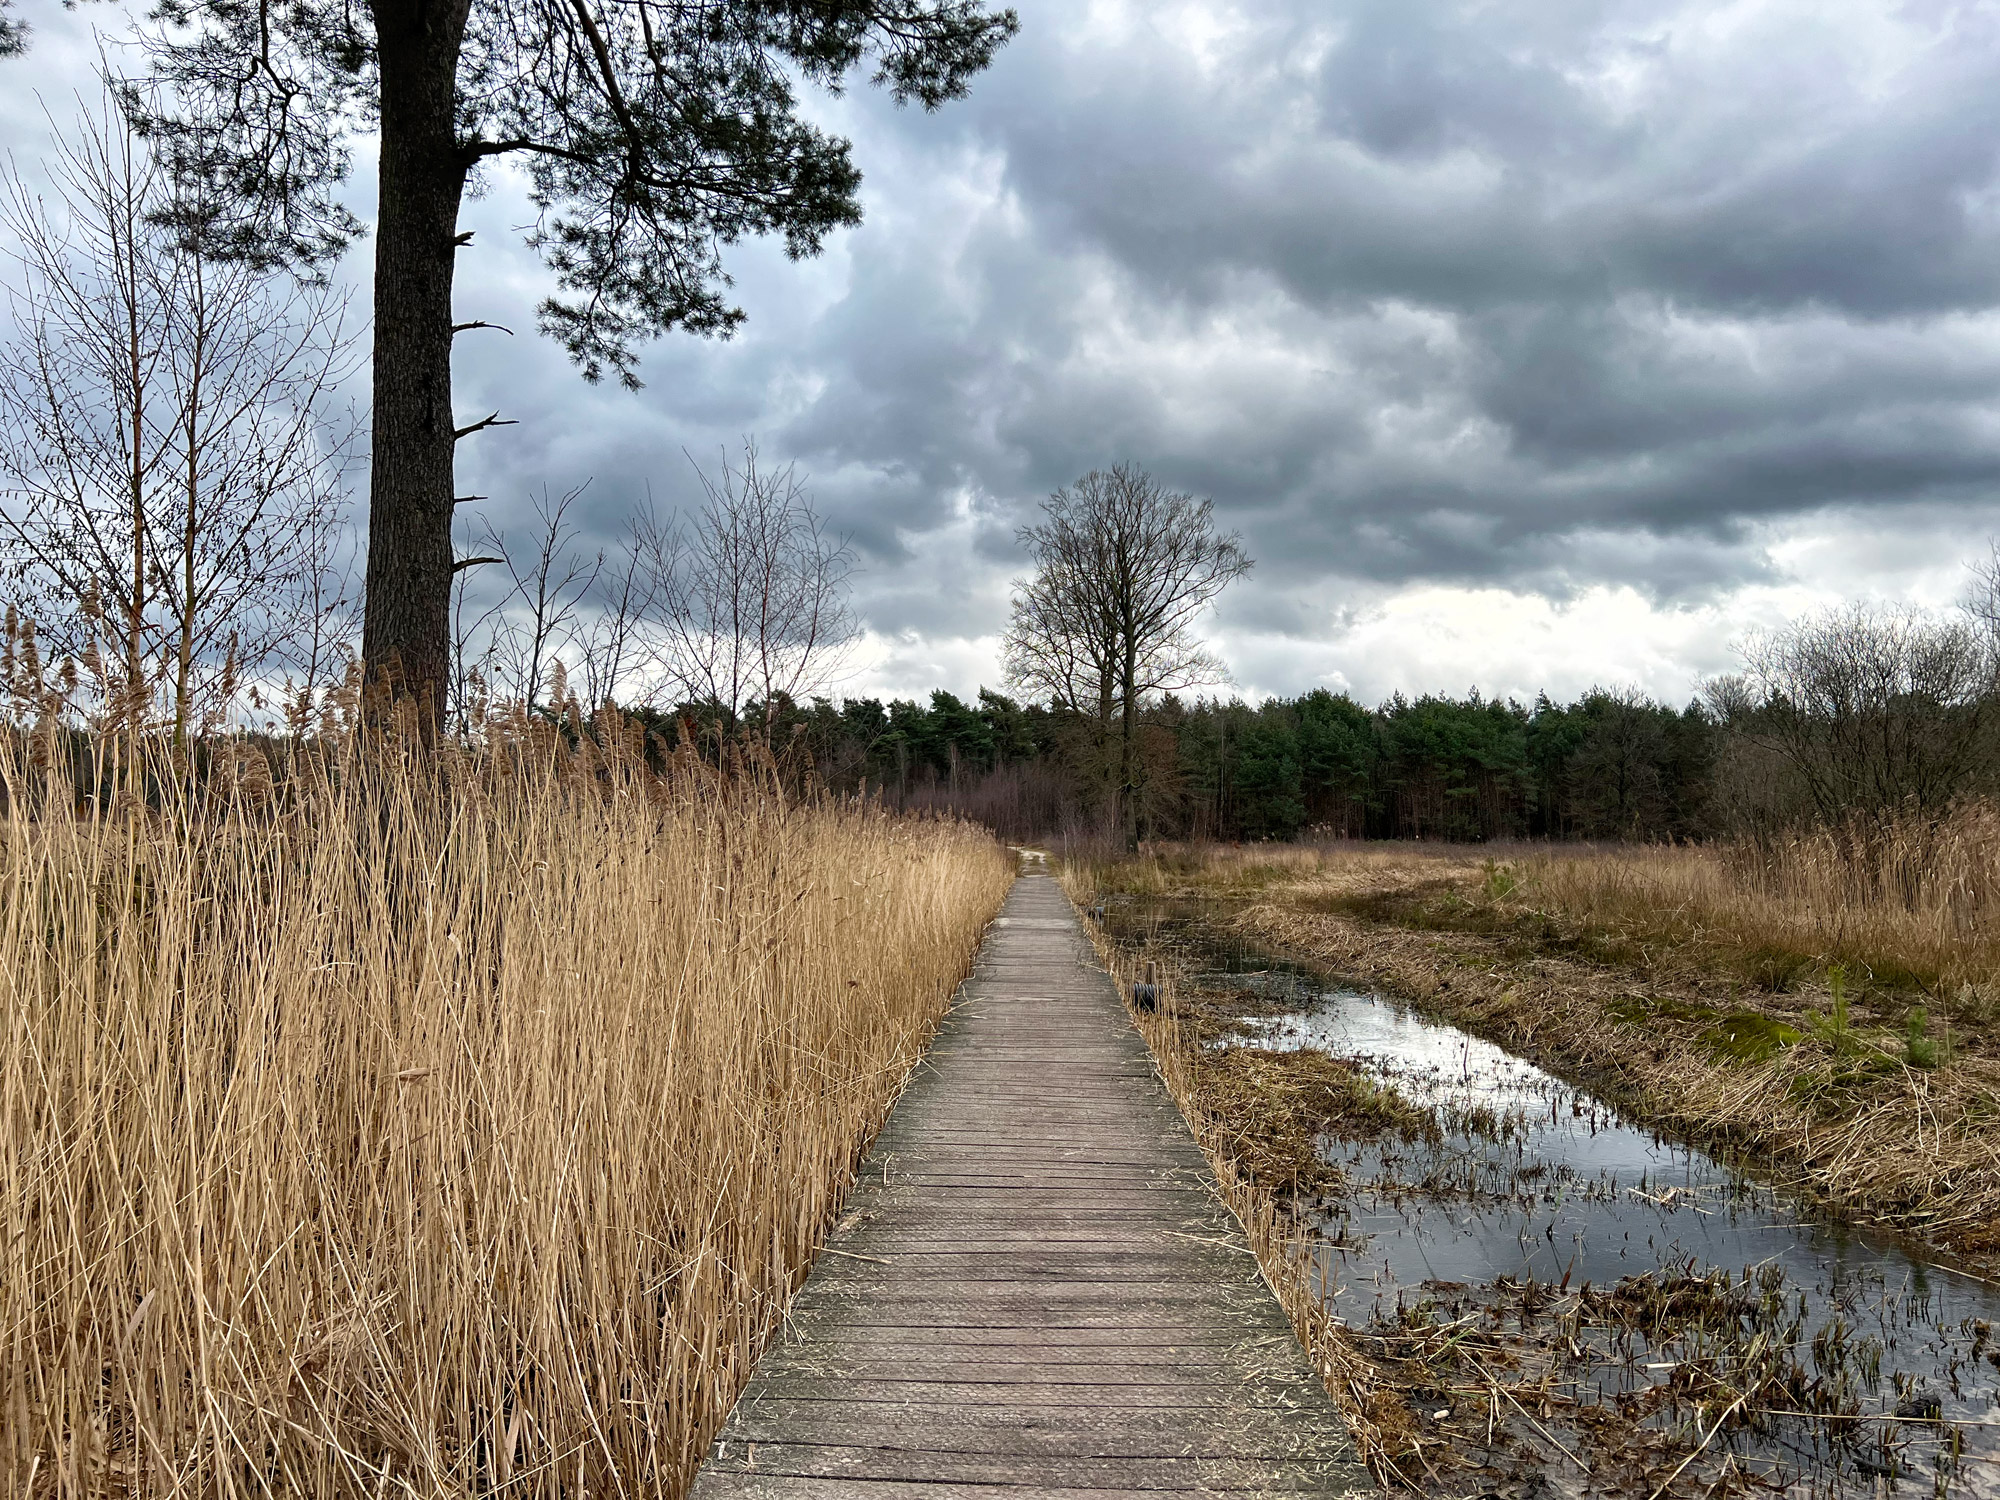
436	1126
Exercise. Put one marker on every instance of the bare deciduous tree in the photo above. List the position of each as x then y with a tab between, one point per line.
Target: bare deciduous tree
1059	644
323	649
549	588
739	603
167	480
1982	599
612	641
1124	569
750	591
1874	709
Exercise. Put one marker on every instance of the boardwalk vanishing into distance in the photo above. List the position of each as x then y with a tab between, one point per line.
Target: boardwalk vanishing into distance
1035	1289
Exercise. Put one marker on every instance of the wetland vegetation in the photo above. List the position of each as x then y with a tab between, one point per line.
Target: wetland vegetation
1610	1170
386	1121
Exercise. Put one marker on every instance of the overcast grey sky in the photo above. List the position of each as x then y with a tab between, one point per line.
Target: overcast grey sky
1530	343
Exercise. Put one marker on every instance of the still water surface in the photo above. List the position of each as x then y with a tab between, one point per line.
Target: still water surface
1537	1180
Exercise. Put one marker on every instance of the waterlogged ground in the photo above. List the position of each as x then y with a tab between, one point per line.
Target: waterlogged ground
1574	1305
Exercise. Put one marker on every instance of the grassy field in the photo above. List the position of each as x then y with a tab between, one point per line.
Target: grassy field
436	1126
1823	1005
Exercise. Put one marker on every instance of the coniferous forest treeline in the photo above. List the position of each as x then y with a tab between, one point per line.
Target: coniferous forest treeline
1609	765
1856	717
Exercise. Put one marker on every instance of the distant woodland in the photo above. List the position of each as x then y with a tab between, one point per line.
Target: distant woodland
1851	715
1610	765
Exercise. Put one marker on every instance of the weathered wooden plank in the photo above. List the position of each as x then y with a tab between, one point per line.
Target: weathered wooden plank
1167	1386
1036	1289
897	1221
961	1206
1078	1136
1020	1303
865	1277
1073	1314
1027	1261
775	1463
903	1234
1139	1154
1042	1431
1164	1390
1034	1170
1055	1350
978	1287
729	1486
1045	1195
1048	1348
1192	1366
1201	1345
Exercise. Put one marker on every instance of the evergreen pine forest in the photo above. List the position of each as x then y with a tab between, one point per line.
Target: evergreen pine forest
1610	765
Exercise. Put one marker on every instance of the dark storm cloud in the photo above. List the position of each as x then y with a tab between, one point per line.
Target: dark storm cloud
1539	294
1673	269
1545	294
1468	155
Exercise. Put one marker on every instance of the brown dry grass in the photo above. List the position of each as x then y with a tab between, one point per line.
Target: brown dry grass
1909	908
1913	907
1693	987
437	1127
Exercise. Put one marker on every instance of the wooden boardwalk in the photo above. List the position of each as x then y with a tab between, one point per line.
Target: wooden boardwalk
1035	1289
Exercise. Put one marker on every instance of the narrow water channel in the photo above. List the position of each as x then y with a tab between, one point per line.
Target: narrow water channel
1669	1280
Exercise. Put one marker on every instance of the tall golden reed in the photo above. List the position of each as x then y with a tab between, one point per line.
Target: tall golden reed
1909	901
436	1126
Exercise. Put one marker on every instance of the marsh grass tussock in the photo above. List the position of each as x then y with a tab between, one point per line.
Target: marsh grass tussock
1904	904
380	1124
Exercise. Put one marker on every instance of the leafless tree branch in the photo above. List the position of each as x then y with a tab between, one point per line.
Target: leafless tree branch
1124	570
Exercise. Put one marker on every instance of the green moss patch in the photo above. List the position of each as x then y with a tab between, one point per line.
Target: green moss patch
1748	1036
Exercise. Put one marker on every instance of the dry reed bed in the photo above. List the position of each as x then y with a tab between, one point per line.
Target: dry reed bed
438	1127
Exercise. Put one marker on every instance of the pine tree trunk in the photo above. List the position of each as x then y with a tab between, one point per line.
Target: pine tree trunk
406	637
